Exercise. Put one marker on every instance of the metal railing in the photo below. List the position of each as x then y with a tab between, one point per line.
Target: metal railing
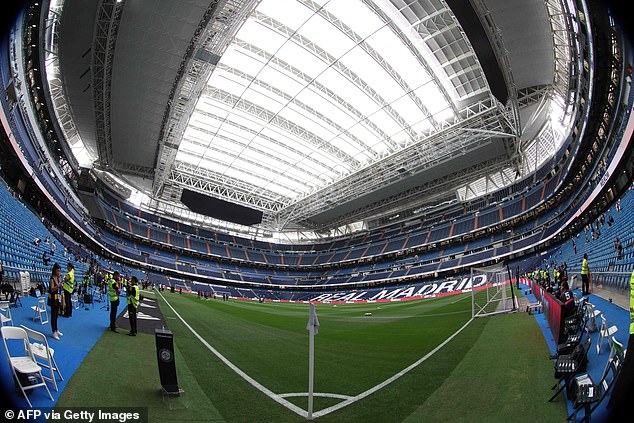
618	280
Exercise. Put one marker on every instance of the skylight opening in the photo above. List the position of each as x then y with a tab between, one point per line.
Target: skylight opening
295	103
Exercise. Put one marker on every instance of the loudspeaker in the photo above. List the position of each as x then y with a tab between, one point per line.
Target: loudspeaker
166	364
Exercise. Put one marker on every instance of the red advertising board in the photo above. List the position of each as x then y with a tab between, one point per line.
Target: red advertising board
552	308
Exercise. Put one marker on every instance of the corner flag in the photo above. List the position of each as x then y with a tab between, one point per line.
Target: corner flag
312	327
313	321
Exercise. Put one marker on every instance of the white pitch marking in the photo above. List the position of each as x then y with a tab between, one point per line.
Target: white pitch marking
460	299
389	380
349	400
275	397
140	316
317	394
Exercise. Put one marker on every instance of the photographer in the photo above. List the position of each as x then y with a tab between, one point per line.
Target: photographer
114	288
132	298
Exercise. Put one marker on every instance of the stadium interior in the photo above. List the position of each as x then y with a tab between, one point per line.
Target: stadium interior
430	184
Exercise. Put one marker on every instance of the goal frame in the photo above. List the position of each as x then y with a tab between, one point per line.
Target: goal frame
496	295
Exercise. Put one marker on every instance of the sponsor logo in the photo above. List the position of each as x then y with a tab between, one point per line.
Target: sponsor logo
428	289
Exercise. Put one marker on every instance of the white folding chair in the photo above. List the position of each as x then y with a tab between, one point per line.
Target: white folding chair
24	365
615	348
588	394
605	332
42	351
5	313
592	314
40	311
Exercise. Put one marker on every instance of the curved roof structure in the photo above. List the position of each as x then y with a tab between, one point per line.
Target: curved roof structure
316	112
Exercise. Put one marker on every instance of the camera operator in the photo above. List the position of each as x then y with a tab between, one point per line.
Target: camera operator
132	298
114	288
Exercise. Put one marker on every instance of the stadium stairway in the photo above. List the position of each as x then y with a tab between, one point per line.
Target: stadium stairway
614	315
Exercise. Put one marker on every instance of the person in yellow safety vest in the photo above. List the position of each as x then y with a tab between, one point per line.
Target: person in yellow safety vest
585	276
69	286
556	275
114	288
132	298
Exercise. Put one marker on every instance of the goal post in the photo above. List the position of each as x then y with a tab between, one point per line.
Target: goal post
492	291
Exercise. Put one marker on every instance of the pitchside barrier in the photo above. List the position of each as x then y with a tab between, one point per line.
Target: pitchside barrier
415	291
552	308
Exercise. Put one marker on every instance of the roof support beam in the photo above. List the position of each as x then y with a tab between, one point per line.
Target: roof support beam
253	132
215	31
268	116
337	23
406	41
344	70
268	57
221	186
104	40
412	197
429	151
293	100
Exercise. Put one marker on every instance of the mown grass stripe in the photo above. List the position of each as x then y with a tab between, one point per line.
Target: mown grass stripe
391	379
236	369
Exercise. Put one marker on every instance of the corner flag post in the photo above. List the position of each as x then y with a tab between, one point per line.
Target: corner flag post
313	329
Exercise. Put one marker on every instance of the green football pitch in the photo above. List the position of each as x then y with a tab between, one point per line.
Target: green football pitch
408	361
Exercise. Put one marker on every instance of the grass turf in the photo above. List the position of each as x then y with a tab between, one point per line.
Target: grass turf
353	353
499	379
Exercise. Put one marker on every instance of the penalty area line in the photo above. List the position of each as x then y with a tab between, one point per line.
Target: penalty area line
386	382
275	397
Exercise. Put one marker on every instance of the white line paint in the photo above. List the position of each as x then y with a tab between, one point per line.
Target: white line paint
317	394
391	379
347	401
461	299
243	375
403	316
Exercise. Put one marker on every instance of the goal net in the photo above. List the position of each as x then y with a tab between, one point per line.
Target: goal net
492	291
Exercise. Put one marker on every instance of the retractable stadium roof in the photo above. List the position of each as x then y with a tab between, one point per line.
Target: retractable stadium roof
315	112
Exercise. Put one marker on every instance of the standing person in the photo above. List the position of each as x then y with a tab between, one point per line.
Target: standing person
69	285
132	298
585	276
54	286
114	288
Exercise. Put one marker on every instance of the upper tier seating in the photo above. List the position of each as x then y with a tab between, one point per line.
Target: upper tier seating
18	228
602	256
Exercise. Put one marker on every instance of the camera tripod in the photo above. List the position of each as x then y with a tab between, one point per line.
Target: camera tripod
99	296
